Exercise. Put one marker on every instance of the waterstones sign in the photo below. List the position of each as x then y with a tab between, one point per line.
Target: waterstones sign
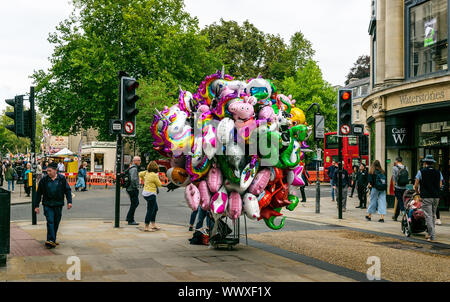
422	98
398	136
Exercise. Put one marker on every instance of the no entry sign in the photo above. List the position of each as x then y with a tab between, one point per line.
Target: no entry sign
129	127
345	129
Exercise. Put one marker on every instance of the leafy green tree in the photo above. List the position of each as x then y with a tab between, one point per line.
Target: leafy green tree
307	87
246	51
150	39
360	69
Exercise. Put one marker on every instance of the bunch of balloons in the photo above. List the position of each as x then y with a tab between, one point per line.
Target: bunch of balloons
235	146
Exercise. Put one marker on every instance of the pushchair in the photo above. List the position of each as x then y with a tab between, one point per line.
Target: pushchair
417	223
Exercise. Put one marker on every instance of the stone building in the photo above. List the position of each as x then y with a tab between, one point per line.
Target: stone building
408	107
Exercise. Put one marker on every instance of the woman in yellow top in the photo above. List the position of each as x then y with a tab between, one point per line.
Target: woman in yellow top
151	184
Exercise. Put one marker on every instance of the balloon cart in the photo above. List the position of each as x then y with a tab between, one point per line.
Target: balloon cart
225	237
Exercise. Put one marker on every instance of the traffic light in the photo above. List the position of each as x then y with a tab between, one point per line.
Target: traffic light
29	120
17	115
345	109
128	110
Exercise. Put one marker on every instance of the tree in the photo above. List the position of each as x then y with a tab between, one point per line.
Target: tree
150	39
246	51
307	87
360	69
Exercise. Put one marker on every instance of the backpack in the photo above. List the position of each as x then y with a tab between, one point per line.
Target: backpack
126	178
380	181
403	177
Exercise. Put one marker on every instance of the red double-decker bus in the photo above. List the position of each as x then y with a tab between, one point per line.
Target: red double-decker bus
353	147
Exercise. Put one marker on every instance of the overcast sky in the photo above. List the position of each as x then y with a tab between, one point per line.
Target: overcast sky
337	30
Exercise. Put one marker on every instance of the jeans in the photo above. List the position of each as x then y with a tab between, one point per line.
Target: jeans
134	199
201	218
429	207
152	208
53	216
9	185
400	205
377	201
344	196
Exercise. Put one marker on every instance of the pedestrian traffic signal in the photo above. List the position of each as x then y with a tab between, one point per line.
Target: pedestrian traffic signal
344	109
17	115
29	119
128	99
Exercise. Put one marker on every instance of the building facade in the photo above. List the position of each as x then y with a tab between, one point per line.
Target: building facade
408	107
360	89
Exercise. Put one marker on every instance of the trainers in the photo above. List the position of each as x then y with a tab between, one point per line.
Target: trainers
381	220
50	244
133	223
438	222
368	218
191	229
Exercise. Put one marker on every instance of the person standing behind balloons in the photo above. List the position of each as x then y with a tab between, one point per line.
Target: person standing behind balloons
151	184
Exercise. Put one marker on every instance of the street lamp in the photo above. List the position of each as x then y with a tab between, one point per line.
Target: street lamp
319	134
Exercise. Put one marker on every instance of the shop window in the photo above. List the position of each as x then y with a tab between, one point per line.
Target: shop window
99	162
428	38
434	134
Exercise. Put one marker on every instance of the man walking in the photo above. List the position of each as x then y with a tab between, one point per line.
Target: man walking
330	173
428	183
133	189
400	176
362	180
345	183
51	190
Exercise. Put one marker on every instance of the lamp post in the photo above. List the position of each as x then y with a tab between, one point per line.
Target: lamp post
319	134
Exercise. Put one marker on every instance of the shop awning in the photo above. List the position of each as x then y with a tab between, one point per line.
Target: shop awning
63	152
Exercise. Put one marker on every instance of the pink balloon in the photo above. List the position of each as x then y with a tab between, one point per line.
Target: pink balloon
234	205
214	179
260	182
205	196
219	201
192	195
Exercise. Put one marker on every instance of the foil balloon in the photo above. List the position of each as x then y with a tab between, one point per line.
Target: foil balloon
209	141
192	195
225	131
234	205
205	195
260	89
251	206
260	182
219	201
214	180
249	173
294	176
178	176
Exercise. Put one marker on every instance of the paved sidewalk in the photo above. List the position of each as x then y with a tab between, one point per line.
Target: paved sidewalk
128	254
355	218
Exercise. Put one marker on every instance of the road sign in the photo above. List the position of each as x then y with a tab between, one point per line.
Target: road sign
345	129
358	129
129	127
319	126
115	126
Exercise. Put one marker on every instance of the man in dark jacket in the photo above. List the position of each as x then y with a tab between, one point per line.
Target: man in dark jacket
361	185
428	183
133	190
345	184
330	173
51	191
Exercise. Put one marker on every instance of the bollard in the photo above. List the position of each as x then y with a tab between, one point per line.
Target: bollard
5	217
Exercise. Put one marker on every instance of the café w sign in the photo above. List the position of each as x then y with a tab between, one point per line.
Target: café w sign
398	136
